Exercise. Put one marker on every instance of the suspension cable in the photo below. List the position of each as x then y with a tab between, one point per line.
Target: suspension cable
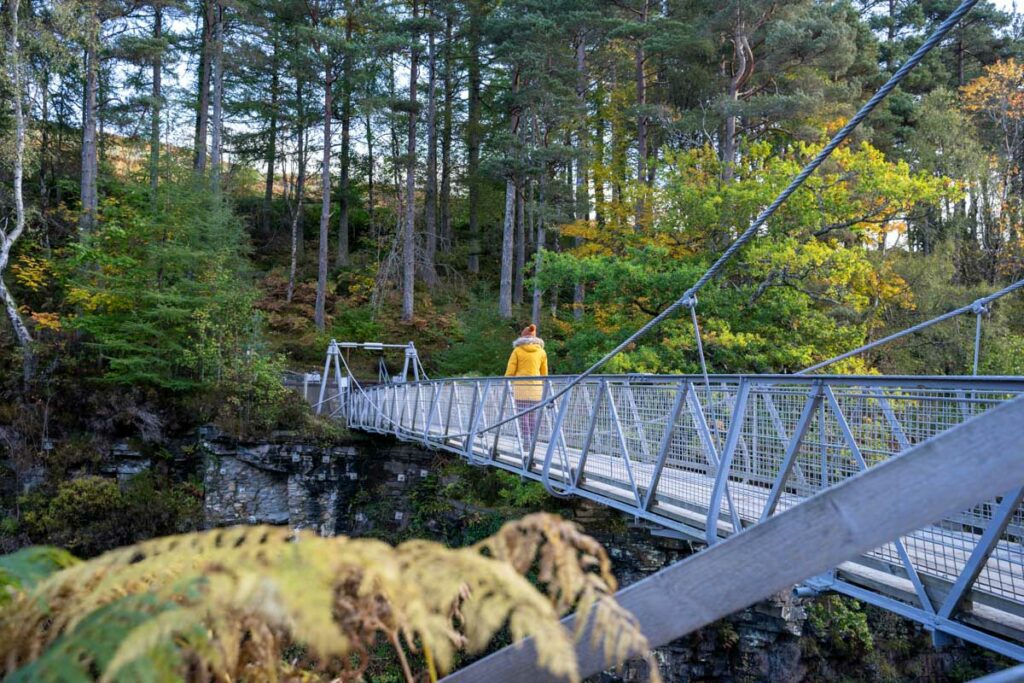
700	343
978	307
689	297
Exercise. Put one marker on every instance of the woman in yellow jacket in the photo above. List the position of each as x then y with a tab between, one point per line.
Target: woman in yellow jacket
528	359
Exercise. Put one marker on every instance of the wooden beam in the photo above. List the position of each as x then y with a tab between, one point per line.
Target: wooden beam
974	461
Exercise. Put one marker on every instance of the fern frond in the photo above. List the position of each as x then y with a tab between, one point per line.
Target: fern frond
225	604
575	572
26	567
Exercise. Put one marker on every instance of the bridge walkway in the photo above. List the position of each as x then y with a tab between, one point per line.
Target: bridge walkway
669	450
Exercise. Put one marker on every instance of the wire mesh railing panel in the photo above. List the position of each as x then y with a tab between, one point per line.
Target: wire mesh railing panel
615	436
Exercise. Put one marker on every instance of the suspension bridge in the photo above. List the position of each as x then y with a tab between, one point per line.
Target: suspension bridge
905	492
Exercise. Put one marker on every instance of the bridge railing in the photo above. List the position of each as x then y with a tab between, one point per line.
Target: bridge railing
710	458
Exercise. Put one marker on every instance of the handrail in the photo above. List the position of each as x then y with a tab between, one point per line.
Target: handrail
989	382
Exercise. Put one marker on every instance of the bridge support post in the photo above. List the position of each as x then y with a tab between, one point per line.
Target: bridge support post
556	434
333	358
666	441
725	464
591	426
979	556
814	397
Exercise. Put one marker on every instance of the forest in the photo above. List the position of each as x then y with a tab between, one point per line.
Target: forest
196	196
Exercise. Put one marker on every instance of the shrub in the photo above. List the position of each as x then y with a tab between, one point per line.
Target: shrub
92	514
842	623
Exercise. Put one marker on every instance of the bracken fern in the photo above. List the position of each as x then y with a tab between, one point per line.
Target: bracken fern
229	604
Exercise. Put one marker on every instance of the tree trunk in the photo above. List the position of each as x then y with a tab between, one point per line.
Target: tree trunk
271	155
217	120
473	137
641	122
396	147
600	199
961	56
508	226
446	237
7	239
890	37
582	212
409	236
300	189
346	124
744	63
203	104
44	139
507	243
370	199
429	269
520	267
87	220
156	103
582	205
538	292
556	239
101	138
319	313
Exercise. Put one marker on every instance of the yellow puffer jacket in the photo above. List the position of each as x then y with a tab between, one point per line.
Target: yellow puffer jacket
528	359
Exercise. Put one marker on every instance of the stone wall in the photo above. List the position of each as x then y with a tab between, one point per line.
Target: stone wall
307	486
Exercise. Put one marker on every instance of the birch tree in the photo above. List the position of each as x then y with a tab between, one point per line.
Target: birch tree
9	234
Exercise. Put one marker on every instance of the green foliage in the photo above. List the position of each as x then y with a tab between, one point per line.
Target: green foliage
355	324
8	526
162	292
843	622
26	567
807	289
428	501
318	429
948	348
495	488
93	644
91	514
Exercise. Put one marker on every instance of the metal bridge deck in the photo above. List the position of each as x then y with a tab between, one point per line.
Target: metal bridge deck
671	449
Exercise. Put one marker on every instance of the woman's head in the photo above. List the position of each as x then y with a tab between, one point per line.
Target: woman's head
529	331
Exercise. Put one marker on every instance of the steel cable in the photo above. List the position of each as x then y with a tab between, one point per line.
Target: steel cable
977	306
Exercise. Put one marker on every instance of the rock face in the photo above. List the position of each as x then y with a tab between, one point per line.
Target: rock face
306	486
378	486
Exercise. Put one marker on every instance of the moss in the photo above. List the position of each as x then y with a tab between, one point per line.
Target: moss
726	635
